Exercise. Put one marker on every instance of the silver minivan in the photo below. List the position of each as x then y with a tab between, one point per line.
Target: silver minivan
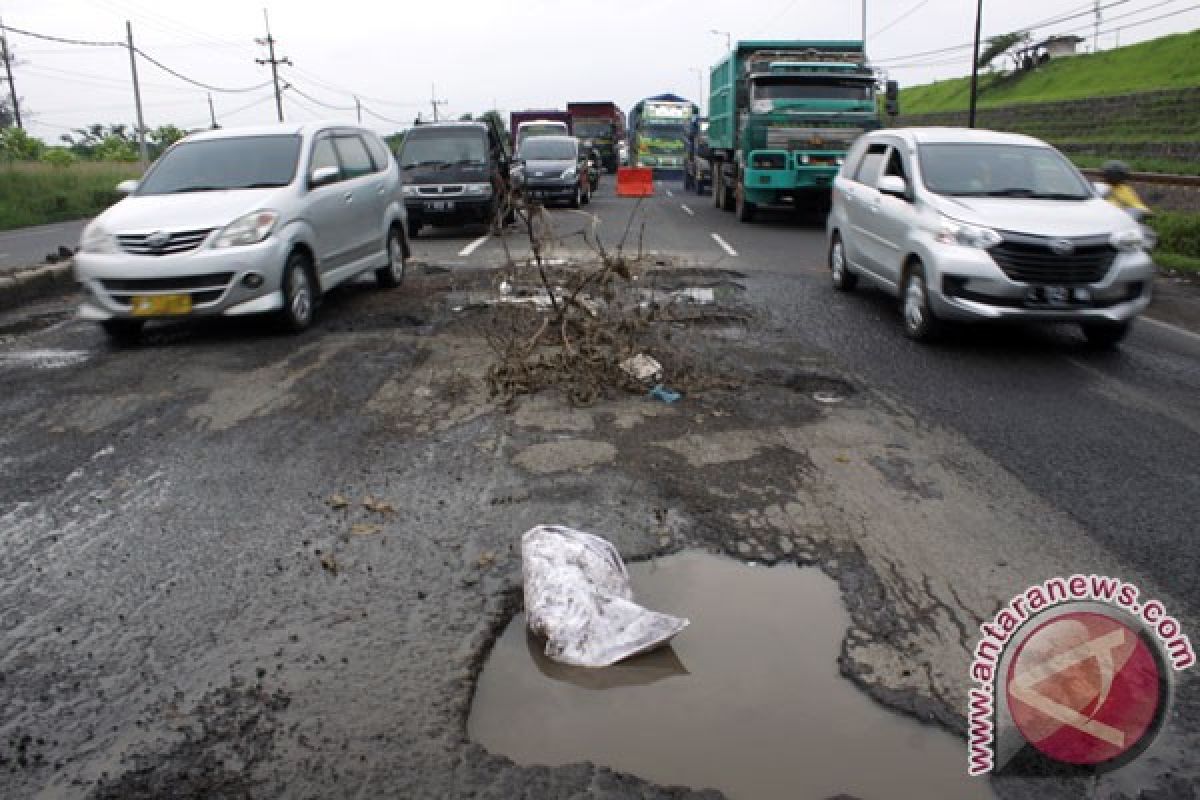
245	221
965	224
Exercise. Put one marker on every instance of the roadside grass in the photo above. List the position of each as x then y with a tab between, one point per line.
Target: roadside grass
1166	166
36	193
1178	233
1177	263
1165	63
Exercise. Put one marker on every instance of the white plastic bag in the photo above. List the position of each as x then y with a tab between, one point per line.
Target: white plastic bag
577	595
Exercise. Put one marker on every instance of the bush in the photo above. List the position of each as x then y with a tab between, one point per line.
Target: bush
1178	232
58	157
34	193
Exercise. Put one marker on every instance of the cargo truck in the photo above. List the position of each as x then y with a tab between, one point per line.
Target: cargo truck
602	124
517	118
697	168
657	130
782	115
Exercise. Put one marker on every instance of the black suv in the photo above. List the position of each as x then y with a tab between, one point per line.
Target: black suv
455	173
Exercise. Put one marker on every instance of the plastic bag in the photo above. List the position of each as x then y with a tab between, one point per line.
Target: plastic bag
577	595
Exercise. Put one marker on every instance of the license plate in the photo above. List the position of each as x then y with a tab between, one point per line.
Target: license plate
157	305
440	205
1057	296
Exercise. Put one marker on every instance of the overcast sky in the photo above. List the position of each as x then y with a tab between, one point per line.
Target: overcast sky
511	55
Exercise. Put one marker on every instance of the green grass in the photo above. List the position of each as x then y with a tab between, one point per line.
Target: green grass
1178	233
1177	263
1168	166
35	193
1166	63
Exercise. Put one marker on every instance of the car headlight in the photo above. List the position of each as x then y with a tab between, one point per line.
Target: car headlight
410	191
478	189
1129	241
250	229
964	235
569	174
96	239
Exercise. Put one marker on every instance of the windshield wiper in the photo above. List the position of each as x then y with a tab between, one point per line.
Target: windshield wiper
432	163
1058	196
1014	191
263	185
198	189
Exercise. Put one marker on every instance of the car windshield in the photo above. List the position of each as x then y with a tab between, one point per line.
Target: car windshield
541	148
1000	170
209	165
825	89
435	147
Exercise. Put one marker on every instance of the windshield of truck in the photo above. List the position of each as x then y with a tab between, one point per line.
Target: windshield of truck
1000	170
593	129
542	129
792	88
443	146
213	165
545	148
661	139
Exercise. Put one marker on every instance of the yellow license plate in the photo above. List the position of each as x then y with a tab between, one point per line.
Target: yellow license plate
158	305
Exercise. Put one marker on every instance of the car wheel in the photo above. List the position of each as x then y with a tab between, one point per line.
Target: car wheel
919	322
577	200
392	275
843	279
123	332
414	228
745	209
1105	335
298	298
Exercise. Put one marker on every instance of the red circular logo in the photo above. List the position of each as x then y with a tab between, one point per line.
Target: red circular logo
1085	688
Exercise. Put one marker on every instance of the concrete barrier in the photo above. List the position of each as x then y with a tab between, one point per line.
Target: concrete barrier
21	287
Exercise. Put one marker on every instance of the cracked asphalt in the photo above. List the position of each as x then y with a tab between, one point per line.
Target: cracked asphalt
185	613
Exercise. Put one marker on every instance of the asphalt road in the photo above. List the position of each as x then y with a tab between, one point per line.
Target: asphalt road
26	247
184	612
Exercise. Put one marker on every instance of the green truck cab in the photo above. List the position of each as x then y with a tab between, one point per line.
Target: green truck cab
782	115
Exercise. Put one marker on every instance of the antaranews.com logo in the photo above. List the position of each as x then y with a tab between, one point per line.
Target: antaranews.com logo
1083	669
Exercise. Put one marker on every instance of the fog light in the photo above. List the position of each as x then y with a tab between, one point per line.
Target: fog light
1081	295
252	280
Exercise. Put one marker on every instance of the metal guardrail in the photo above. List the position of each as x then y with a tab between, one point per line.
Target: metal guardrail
1160	178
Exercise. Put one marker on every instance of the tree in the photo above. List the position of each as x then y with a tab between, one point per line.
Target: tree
497	119
466	118
17	145
7	120
1002	45
86	142
163	137
395	140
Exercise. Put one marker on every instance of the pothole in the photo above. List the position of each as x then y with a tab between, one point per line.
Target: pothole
747	699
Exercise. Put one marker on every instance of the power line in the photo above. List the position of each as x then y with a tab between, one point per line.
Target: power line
195	82
59	39
292	86
382	117
901	18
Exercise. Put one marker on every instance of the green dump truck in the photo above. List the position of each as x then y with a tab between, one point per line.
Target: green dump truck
782	115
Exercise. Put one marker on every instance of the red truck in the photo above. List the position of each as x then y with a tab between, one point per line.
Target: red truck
603	124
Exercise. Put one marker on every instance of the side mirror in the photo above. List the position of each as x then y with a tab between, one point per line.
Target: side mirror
323	176
128	187
893	185
892	102
1102	189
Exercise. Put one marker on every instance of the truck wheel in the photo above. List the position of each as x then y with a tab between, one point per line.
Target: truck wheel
745	209
687	181
718	191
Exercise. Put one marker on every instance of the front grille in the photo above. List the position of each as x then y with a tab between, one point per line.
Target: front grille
798	138
1031	259
439	191
179	242
202	288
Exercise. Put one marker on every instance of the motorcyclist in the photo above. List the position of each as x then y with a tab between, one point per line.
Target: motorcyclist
1120	192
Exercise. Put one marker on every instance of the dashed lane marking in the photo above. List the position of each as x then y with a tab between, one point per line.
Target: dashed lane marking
724	245
688	211
473	246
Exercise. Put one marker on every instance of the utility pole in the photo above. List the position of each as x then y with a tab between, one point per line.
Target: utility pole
1096	31
269	42
864	25
358	109
143	156
433	101
212	113
975	64
8	65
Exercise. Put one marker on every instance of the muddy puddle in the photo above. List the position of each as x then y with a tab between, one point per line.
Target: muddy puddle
746	700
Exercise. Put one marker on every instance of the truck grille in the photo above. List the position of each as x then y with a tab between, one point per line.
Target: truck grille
140	244
798	138
1034	259
202	288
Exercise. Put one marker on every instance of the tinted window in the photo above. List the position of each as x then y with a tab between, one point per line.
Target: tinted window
356	161
433	147
1000	170
803	90
872	165
324	156
895	165
215	164
542	148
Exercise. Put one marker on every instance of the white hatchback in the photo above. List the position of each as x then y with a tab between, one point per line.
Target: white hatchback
965	224
245	221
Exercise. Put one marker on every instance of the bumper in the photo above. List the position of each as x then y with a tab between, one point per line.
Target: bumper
972	287
450	210
550	192
117	285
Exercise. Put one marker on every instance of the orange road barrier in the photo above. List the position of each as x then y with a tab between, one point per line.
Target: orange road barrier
635	182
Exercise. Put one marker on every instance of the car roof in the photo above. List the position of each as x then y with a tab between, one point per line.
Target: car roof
950	135
276	129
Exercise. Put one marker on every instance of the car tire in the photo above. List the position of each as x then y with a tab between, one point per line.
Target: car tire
745	209
299	298
1105	335
414	228
919	322
123	332
577	200
392	275
843	279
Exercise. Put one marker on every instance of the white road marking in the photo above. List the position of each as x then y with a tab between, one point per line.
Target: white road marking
473	246
670	193
1170	327
724	245
689	212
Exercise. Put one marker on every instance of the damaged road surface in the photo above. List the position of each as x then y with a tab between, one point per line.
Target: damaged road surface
244	564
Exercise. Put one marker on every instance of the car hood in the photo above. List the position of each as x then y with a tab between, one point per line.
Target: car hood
549	169
451	173
1037	217
190	211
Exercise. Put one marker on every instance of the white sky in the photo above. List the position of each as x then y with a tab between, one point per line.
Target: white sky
503	53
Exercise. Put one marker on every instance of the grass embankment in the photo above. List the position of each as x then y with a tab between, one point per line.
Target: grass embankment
1166	63
1167	166
36	194
1178	241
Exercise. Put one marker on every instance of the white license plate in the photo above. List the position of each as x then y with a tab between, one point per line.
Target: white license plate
440	205
1057	296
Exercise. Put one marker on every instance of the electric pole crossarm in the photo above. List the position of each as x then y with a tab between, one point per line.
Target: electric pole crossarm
274	62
